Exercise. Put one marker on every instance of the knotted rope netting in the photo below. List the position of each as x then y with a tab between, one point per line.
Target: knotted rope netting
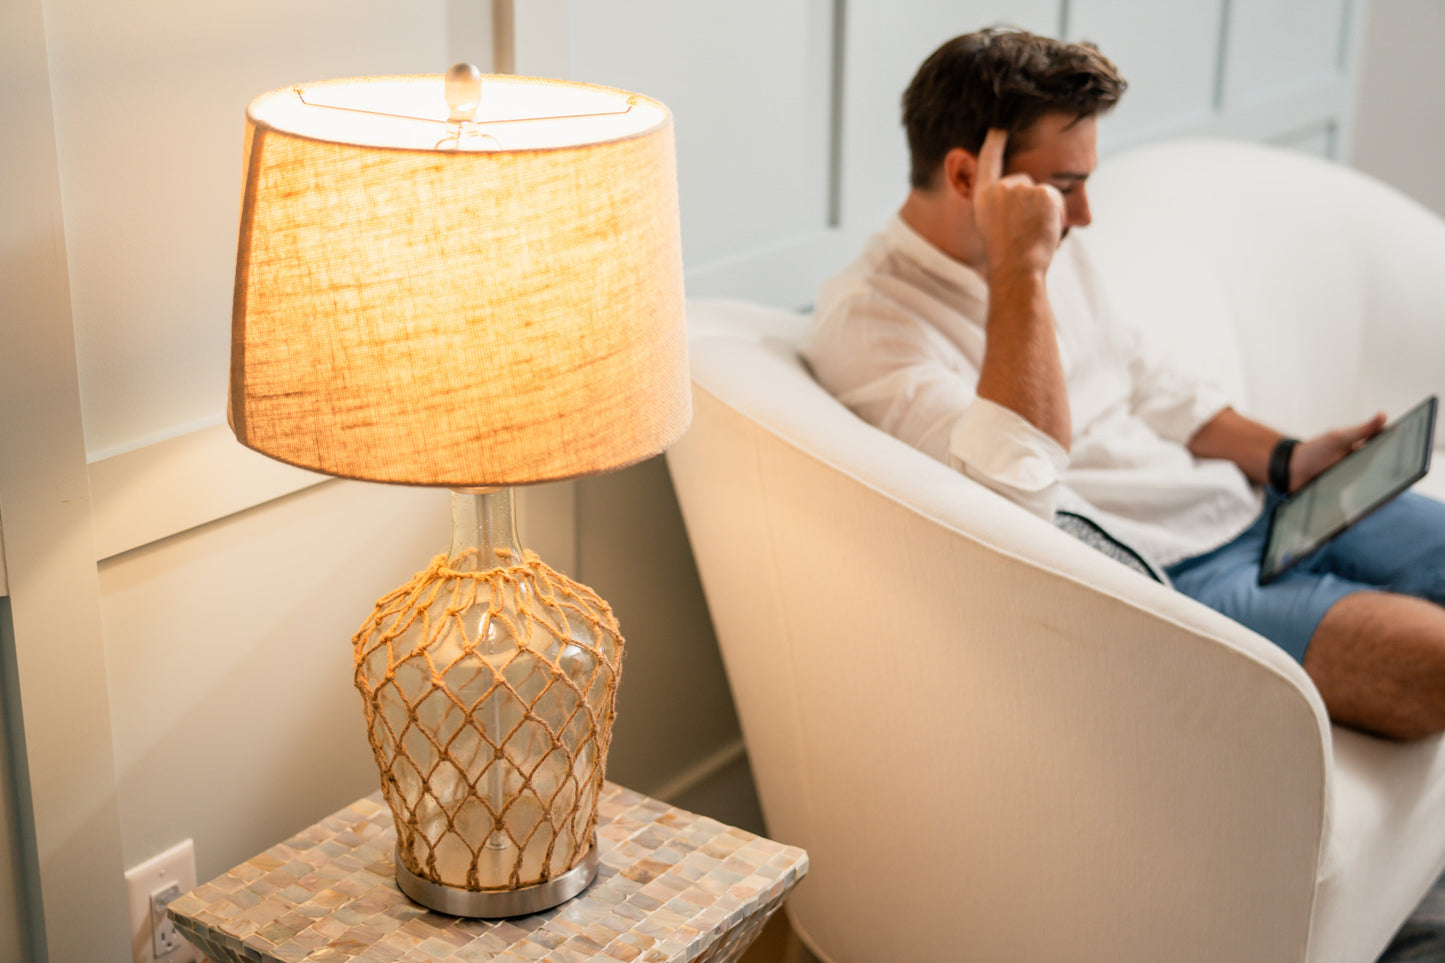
489	698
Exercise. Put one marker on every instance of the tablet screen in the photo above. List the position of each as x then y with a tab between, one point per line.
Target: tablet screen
1349	490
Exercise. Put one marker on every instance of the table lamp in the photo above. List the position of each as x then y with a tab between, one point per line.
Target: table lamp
471	282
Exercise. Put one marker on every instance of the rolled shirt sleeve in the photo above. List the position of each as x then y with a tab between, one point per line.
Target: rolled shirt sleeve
1007	453
892	370
899	339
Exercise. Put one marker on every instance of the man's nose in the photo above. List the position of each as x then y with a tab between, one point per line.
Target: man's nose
1076	208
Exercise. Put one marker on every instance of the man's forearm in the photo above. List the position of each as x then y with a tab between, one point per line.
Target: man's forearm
1022	370
1232	436
1021	223
1249	444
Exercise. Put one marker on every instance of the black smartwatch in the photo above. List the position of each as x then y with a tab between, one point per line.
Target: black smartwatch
1278	475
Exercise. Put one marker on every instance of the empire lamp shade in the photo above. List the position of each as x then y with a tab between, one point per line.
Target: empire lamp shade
488	303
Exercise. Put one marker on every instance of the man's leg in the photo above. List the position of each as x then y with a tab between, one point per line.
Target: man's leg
1351	614
1400	548
1378	660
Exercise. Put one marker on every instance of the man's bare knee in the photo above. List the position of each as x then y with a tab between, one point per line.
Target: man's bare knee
1378	660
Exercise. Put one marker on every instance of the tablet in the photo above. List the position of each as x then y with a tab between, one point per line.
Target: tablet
1348	490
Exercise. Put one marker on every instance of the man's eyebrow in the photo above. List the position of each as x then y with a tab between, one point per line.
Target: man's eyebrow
1069	176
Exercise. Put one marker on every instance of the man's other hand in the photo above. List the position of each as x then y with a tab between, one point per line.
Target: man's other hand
1021	221
1314	456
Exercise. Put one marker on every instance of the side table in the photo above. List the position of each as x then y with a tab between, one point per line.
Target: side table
671	886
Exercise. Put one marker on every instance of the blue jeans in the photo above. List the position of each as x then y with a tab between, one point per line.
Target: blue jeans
1399	548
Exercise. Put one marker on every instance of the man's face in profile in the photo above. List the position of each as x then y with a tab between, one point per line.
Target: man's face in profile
1058	149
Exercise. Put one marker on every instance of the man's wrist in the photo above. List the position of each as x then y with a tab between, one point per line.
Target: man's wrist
1278	474
1016	276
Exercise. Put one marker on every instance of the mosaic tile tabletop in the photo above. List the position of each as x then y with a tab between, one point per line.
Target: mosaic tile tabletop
671	886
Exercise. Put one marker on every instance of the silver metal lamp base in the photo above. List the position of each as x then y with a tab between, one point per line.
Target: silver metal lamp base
493	904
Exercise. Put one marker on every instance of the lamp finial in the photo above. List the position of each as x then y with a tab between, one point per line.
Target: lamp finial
464	92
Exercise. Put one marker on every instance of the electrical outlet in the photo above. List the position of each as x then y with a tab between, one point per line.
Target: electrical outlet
151	886
164	937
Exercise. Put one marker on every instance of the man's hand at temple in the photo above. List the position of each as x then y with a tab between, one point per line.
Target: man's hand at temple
1020	223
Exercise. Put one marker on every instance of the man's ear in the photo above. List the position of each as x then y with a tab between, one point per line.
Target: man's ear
959	169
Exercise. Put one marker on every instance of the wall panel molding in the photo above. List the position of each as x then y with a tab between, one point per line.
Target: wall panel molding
60	663
1277	72
783	274
171	487
163	489
754	100
1269	120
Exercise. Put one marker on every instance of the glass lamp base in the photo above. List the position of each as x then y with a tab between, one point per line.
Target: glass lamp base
494	904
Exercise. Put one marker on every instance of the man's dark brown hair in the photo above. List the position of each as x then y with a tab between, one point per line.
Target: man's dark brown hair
1000	77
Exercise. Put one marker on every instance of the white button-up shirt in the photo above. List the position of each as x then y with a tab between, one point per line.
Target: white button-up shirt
899	338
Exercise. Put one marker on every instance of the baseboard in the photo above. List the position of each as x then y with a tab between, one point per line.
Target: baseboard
700	772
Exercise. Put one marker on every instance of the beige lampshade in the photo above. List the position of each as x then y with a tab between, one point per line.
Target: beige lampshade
458	303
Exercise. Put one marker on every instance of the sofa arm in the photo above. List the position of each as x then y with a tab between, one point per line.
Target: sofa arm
993	742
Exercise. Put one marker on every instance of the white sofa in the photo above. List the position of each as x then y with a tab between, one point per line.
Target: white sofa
997	744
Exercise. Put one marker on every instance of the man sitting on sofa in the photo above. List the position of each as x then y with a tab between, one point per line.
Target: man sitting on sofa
945	334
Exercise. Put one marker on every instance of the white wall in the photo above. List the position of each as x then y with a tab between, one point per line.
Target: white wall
195	602
1400	133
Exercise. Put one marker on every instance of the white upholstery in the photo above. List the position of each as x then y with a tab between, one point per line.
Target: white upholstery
999	745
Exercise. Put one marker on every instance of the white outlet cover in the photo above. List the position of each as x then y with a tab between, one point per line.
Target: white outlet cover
175	865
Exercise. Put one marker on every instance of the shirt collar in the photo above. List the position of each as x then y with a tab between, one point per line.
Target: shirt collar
912	245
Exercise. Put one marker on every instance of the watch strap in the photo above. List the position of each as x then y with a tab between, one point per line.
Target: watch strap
1279	460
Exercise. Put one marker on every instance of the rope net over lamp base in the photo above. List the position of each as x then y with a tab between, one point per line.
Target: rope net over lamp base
489	683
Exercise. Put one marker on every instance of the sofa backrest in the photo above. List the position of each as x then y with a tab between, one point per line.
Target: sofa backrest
1299	283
